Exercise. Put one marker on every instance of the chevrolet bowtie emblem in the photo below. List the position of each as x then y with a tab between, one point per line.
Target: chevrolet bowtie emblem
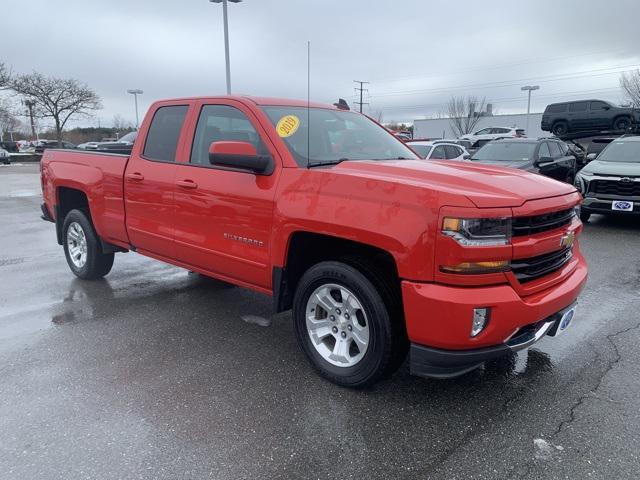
567	240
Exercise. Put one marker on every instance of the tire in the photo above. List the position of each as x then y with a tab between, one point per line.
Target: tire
560	128
584	216
352	366
622	123
82	247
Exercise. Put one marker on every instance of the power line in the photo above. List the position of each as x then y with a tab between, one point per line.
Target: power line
502	65
515	82
361	90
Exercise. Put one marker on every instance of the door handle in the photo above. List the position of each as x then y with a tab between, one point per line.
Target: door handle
135	176
187	183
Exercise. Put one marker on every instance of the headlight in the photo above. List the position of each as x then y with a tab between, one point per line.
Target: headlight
478	232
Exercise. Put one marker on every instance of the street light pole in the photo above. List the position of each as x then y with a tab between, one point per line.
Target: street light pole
529	88
226	39
135	93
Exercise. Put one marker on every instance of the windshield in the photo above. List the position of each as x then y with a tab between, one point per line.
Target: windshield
628	152
505	151
335	136
129	137
422	150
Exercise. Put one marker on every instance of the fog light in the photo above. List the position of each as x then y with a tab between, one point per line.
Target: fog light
480	319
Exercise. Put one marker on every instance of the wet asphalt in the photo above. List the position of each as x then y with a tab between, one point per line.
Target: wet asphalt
153	373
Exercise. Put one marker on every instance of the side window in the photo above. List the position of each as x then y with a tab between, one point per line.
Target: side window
554	148
557	108
598	106
451	151
222	122
439	153
578	106
503	130
484	131
162	138
564	149
544	150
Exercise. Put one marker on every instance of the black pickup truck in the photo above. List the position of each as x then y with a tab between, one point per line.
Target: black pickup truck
588	115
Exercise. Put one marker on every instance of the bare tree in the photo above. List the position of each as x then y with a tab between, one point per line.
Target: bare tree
630	84
57	98
464	113
5	76
119	123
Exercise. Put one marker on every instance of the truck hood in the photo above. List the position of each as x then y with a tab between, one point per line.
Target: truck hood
519	164
486	186
622	169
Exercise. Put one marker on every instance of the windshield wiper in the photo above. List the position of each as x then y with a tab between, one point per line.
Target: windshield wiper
327	162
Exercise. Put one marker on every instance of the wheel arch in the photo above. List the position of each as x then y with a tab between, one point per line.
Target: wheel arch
305	249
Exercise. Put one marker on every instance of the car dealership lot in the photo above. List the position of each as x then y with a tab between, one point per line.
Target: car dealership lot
153	373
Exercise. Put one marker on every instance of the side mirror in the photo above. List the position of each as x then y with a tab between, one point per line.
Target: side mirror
606	107
591	156
239	155
544	161
466	156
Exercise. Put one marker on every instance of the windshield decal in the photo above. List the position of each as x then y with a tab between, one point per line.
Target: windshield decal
287	125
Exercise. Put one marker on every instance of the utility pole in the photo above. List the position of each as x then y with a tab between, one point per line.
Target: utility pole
529	88
135	92
361	89
225	21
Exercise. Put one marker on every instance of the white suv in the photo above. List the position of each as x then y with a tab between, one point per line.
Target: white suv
491	133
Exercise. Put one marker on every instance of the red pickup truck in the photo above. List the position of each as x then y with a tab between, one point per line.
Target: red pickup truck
378	252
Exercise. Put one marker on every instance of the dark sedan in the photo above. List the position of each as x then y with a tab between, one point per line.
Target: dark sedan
545	156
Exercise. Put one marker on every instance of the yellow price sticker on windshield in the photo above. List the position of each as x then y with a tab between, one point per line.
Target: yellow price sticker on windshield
287	125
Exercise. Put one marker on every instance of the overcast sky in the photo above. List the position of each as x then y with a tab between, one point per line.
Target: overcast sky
416	54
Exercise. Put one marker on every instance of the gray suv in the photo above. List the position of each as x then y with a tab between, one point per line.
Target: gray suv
610	183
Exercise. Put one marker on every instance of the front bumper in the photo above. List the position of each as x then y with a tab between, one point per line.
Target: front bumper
438	319
603	205
438	363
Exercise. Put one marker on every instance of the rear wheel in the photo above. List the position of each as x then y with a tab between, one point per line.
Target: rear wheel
560	128
344	326
82	247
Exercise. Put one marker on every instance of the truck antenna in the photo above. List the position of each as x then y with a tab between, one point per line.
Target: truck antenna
308	101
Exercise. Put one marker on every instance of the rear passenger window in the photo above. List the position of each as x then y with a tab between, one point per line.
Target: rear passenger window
439	153
558	108
162	138
451	151
578	107
222	122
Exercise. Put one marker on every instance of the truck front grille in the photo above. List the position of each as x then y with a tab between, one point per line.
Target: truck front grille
541	223
529	269
615	187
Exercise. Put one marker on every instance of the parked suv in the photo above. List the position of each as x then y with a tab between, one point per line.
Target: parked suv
492	133
598	115
611	182
546	156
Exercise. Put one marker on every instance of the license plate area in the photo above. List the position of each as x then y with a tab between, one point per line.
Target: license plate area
564	321
622	206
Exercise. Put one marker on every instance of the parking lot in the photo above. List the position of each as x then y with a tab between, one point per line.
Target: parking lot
155	372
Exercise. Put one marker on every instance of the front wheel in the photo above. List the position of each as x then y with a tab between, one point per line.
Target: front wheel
560	128
343	325
82	247
622	123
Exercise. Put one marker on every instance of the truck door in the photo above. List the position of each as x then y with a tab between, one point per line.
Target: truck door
223	217
149	182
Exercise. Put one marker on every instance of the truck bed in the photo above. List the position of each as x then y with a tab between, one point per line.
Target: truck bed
100	176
